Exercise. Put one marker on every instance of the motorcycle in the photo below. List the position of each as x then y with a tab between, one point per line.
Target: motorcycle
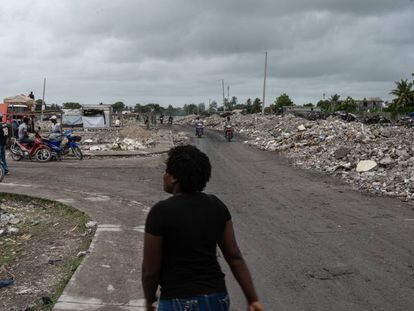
228	132
55	144
199	129
33	151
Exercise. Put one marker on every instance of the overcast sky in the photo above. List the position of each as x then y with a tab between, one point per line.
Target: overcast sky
176	51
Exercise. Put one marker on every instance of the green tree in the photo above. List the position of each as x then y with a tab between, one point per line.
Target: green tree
201	108
324	105
212	107
71	105
38	105
55	107
257	106
118	106
348	105
190	109
231	104
334	102
280	102
170	110
249	105
310	105
404	95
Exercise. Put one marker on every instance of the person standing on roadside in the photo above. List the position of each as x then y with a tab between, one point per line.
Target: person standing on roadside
181	238
4	134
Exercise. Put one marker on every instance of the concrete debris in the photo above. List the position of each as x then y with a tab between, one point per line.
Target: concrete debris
365	166
301	128
130	137
334	146
91	224
82	254
12	230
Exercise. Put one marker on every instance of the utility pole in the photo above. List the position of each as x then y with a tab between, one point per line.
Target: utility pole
264	85
224	102
43	99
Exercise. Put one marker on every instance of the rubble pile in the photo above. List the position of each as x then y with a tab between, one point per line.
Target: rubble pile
374	158
131	137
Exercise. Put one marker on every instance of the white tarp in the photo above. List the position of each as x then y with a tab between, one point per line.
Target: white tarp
98	121
71	120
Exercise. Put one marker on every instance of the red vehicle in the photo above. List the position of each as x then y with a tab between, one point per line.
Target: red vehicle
32	151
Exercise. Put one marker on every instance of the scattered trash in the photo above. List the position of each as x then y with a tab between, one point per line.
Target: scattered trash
12	230
91	224
82	254
6	283
47	300
54	262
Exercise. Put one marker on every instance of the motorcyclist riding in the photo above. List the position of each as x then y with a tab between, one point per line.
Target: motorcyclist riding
228	129
227	123
199	125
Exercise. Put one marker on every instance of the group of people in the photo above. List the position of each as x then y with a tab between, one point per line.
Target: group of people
21	132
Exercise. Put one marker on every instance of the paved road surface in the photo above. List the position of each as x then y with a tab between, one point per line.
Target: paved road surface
310	241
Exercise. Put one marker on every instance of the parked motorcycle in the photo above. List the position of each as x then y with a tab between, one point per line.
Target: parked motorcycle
55	144
34	151
199	129
229	132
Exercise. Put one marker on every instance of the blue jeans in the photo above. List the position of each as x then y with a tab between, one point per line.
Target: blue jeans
212	302
3	158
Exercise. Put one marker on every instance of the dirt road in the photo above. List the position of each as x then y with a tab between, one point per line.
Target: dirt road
310	241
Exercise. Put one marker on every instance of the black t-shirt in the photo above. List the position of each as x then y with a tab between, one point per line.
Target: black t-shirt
191	226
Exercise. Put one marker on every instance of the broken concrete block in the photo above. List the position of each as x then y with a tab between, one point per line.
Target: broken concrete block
91	224
95	148
386	161
12	230
341	152
365	166
301	128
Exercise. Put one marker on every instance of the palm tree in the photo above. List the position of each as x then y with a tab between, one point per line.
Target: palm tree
404	94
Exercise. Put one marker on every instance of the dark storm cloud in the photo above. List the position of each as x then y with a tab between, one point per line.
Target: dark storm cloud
175	51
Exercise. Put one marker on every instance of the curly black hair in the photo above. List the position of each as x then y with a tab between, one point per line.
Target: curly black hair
190	167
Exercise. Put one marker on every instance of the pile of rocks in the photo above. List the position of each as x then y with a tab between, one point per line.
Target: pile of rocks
128	138
374	158
8	221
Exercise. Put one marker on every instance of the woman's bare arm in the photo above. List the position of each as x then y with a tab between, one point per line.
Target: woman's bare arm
234	258
151	267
